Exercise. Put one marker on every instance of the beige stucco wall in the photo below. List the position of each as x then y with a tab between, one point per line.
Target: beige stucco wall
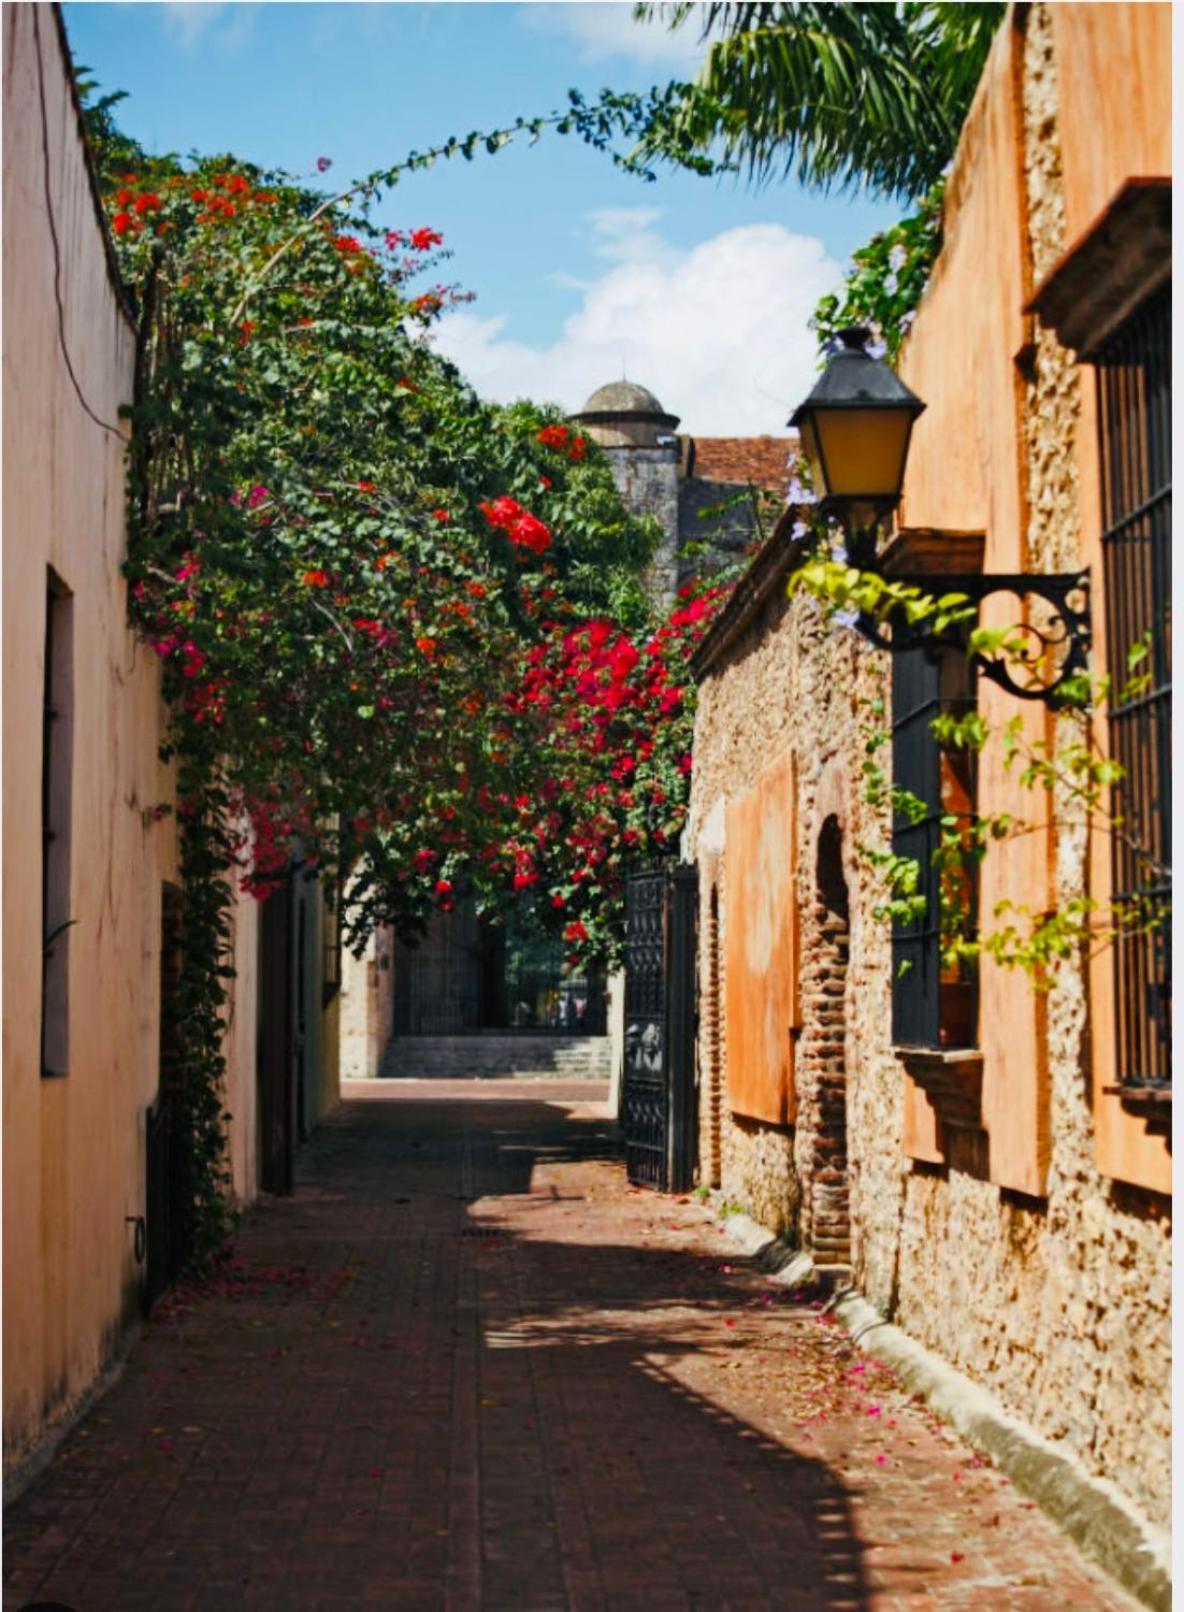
1055	1295
367	1005
241	1052
74	1166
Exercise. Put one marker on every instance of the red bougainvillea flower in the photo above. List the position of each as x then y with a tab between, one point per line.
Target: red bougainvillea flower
575	932
441	515
366	486
122	222
422	240
316	579
443	886
147	203
522	528
553	436
347	245
579	447
426	646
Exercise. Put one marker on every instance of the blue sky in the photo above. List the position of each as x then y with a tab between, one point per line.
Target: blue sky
700	289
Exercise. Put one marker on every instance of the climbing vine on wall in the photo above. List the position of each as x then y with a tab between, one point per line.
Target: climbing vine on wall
1068	772
404	634
886	279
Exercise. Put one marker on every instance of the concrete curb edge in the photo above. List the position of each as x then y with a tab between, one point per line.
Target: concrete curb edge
1091	1510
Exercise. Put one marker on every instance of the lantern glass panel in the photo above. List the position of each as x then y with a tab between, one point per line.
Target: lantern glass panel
809	442
862	450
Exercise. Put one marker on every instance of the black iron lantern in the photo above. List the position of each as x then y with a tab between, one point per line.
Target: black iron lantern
855	428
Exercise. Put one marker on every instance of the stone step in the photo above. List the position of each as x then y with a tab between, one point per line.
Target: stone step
494	1057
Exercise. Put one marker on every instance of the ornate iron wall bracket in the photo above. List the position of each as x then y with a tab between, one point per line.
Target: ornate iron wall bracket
1045	658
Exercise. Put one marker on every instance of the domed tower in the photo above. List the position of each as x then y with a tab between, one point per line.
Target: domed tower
625	415
638	436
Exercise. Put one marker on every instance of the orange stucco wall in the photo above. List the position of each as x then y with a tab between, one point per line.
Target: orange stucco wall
74	1145
964	475
1106	138
761	949
967	355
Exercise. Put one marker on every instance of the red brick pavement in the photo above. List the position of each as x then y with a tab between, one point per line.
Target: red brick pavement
468	1367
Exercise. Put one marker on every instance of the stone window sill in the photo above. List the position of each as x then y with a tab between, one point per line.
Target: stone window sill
1152	1104
952	1079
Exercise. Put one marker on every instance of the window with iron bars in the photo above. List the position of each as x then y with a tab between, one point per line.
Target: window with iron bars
1134	409
934	1005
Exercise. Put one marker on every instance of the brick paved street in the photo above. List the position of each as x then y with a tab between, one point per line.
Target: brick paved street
468	1367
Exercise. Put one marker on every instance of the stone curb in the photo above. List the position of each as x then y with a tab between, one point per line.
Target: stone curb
1091	1510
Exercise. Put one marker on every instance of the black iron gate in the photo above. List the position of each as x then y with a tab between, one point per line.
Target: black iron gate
658	1111
168	1188
169	1198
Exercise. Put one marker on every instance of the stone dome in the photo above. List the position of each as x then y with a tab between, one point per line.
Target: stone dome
626	415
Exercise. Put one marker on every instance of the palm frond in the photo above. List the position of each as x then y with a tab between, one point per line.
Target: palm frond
837	94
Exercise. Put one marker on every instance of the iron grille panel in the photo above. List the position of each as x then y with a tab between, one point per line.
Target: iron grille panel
644	1096
927	1010
1134	393
658	1100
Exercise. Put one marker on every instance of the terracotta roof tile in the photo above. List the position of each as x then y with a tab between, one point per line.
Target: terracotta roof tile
760	461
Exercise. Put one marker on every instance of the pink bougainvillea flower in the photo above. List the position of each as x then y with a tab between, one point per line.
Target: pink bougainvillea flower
257	495
324	164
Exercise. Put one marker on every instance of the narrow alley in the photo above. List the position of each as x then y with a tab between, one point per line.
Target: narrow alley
467	1366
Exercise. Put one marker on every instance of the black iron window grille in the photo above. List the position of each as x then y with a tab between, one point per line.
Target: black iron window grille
934	1005
57	725
1134	409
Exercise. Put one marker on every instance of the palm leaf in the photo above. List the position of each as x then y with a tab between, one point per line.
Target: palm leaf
836	94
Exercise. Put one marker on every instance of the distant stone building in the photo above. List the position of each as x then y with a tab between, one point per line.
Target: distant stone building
706	492
493	998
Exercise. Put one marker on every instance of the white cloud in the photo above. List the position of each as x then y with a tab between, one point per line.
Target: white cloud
192	22
718	332
606	30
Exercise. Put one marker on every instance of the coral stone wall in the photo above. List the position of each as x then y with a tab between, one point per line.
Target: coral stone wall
791	683
1058	1302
